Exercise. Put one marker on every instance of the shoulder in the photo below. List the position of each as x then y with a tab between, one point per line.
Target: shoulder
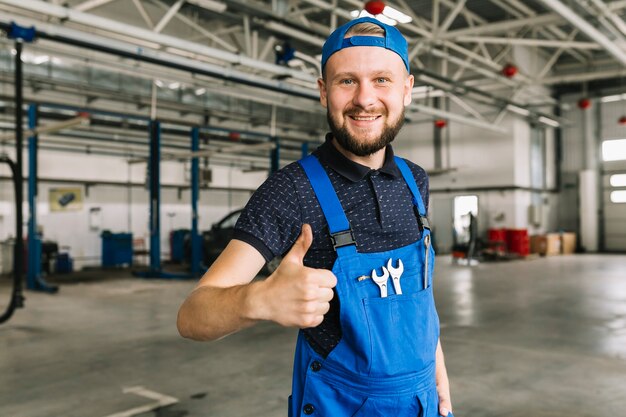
419	173
272	218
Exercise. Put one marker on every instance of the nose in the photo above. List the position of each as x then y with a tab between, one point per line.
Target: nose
364	96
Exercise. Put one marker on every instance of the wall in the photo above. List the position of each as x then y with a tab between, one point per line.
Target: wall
487	164
123	209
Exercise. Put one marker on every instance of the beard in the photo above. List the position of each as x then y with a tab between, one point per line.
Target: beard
360	147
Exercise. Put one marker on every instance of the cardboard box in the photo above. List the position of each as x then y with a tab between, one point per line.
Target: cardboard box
553	246
546	245
568	243
538	244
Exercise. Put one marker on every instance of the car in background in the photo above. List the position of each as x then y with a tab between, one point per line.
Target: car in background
214	241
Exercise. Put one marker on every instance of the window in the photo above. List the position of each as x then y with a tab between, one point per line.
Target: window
614	150
618	196
618	180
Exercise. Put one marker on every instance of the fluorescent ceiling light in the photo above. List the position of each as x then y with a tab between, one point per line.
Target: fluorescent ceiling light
389	16
212	5
548	121
41	59
519	110
396	15
174	86
421	89
609	99
200	91
159	83
380	17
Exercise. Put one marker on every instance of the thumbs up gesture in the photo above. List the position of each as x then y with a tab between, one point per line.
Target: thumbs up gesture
296	295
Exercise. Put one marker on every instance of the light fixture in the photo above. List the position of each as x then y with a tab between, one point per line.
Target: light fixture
397	15
212	5
41	59
159	83
389	16
174	86
386	20
616	97
200	91
547	121
519	110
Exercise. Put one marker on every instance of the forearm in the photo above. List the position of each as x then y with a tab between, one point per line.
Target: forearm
441	373
210	313
441	376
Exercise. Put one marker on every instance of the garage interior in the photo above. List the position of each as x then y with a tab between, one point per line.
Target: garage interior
139	128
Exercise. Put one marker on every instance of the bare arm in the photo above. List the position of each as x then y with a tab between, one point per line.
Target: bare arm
226	300
219	305
443	385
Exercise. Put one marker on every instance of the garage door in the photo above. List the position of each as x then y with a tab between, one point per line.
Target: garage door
614	194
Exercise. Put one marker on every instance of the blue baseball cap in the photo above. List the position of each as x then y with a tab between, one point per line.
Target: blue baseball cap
393	40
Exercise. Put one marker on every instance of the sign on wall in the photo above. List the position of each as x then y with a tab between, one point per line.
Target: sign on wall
66	199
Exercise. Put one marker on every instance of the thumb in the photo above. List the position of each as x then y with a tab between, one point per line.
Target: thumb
302	245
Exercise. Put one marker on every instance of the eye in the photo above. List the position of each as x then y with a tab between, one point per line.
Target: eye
382	80
347	81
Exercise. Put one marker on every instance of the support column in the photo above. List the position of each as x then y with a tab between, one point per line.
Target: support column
18	263
34	243
195	192
275	155
305	149
34	280
154	171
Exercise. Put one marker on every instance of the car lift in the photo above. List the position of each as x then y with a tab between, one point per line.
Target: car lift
154	182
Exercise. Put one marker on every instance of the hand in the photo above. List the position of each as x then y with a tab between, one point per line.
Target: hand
445	405
296	295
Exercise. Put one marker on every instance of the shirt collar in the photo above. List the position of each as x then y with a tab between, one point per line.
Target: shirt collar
353	171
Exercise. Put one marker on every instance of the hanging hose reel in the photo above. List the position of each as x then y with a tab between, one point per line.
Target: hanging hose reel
17	298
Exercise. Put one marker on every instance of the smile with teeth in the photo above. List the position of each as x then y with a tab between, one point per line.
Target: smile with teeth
364	118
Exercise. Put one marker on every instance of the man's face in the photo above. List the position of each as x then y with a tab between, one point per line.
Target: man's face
365	91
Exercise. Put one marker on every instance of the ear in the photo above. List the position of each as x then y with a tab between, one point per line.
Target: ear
408	89
321	85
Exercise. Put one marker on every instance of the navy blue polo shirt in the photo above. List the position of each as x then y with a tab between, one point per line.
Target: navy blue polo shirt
378	204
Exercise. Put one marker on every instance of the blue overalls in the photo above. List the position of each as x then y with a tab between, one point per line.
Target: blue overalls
384	364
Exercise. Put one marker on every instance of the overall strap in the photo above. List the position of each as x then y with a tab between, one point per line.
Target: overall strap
417	197
340	232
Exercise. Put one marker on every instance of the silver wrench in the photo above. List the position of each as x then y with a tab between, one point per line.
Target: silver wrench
396	273
381	281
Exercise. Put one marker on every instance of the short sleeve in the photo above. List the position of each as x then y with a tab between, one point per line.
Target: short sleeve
271	220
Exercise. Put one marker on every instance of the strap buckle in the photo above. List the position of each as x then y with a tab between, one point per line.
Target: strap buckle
423	223
341	239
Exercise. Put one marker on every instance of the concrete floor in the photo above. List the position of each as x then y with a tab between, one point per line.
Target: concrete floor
540	338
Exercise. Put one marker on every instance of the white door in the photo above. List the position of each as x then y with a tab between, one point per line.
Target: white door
614	195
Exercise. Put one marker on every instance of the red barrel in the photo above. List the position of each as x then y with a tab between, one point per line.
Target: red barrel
497	235
518	242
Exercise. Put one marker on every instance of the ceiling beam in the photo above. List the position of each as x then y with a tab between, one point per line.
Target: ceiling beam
567	13
168	16
544	43
91	4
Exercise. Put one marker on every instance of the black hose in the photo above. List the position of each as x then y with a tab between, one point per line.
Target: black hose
17	298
